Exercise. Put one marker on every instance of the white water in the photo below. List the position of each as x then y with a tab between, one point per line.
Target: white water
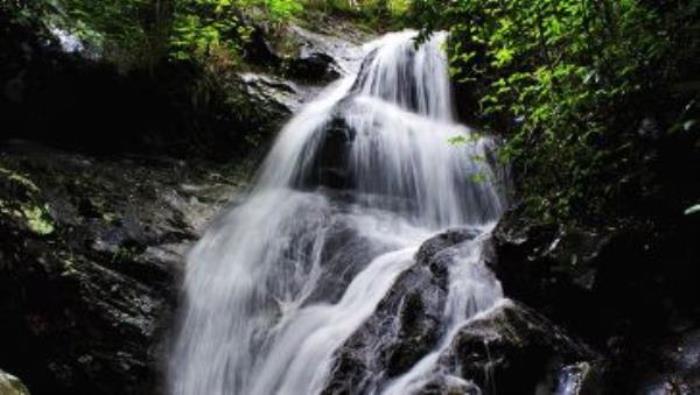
280	282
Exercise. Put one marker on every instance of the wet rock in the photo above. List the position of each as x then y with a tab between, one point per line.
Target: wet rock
314	67
265	100
87	305
258	104
450	385
429	251
302	55
329	157
512	349
275	97
507	349
669	366
343	46
630	285
405	326
344	252
269	98
11	385
576	379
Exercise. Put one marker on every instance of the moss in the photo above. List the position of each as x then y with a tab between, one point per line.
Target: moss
38	219
19	179
68	261
23	203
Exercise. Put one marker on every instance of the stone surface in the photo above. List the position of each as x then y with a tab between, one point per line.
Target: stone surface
338	40
316	66
625	289
673	366
329	157
513	349
90	261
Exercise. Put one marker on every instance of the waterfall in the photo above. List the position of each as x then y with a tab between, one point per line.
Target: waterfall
355	182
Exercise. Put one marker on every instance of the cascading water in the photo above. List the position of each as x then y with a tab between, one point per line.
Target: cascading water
353	186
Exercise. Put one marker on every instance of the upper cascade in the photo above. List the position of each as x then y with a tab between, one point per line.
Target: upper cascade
396	120
412	76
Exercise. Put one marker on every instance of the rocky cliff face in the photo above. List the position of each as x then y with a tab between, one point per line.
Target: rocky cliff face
91	256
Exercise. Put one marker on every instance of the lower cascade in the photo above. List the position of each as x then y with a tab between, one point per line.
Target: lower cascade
339	216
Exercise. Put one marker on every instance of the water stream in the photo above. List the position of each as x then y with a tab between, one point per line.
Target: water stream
356	181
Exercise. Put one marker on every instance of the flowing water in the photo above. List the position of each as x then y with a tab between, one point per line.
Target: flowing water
354	184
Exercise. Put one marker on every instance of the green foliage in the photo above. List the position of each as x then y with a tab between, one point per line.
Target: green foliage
218	28
562	79
376	14
283	9
142	33
203	27
25	13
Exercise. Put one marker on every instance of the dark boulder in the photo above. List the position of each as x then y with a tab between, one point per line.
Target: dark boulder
622	288
301	55
345	251
671	366
545	266
511	349
339	42
631	274
507	349
314	67
328	157
265	102
405	326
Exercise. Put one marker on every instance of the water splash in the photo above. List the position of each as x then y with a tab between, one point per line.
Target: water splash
354	184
